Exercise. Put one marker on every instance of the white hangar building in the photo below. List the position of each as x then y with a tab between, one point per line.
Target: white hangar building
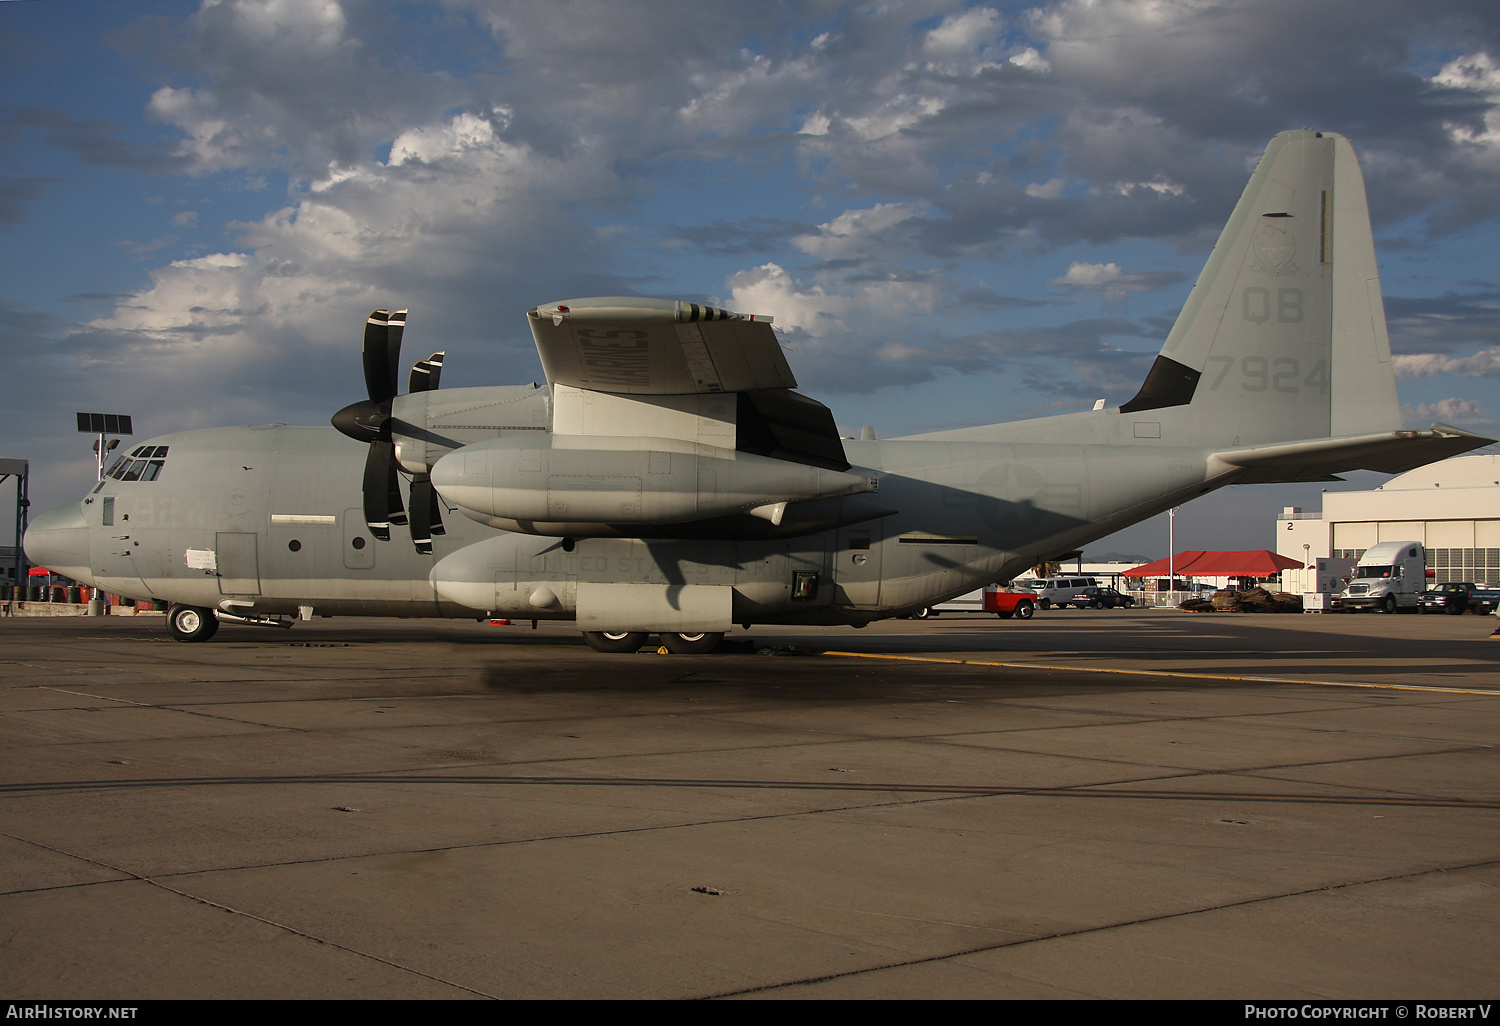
1452	508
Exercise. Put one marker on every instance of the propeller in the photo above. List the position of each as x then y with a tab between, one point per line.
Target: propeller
369	421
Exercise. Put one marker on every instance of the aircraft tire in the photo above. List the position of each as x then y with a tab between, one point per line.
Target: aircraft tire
191	623
1025	610
615	641
691	644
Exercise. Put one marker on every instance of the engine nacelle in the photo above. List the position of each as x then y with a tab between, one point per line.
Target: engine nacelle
551	479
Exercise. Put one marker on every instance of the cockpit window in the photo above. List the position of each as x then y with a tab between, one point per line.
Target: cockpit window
144	463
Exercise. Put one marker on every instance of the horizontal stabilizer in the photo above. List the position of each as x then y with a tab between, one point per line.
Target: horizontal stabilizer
1391	452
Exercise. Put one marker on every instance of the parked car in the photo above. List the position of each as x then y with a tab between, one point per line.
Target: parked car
1451	597
1100	598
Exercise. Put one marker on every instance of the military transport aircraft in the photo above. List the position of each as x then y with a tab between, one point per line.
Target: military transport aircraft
668	479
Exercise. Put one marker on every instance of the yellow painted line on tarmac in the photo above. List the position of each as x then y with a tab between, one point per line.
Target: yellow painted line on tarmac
1170	673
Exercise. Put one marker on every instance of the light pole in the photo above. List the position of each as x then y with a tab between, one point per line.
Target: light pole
1172	556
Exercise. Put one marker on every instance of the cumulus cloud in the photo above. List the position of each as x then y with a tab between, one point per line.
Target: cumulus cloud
854	233
1483	364
1114	284
839	339
1458	412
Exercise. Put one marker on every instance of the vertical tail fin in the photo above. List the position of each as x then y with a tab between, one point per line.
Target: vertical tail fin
1284	336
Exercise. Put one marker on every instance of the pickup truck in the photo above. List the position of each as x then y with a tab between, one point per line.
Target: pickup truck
1003	602
1458	597
1452	597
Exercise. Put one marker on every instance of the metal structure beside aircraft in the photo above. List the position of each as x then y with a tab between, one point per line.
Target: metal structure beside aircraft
669	480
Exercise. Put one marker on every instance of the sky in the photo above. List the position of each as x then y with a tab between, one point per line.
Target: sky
957	213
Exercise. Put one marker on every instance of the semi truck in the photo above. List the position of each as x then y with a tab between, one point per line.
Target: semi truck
1389	576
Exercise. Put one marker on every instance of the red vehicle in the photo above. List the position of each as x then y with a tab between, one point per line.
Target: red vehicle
1008	602
1004	602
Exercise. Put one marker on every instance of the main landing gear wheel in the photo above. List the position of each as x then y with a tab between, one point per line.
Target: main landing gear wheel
615	641
691	644
191	623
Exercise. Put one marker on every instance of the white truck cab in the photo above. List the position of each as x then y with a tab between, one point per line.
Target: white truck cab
1390	576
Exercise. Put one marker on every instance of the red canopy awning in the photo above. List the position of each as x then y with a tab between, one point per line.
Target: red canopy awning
38	571
1197	563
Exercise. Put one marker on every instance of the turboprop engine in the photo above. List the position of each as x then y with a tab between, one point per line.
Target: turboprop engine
530	483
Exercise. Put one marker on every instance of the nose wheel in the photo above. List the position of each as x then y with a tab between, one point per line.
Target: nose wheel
191	623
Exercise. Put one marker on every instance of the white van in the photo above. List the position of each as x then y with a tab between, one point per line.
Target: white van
1057	591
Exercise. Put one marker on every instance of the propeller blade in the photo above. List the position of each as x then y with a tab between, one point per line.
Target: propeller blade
396	327
378	465
425	374
379	382
422	496
393	488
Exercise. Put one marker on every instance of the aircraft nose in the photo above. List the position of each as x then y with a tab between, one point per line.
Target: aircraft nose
59	541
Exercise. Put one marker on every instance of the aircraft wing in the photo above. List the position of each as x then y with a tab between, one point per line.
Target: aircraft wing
634	346
1391	452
